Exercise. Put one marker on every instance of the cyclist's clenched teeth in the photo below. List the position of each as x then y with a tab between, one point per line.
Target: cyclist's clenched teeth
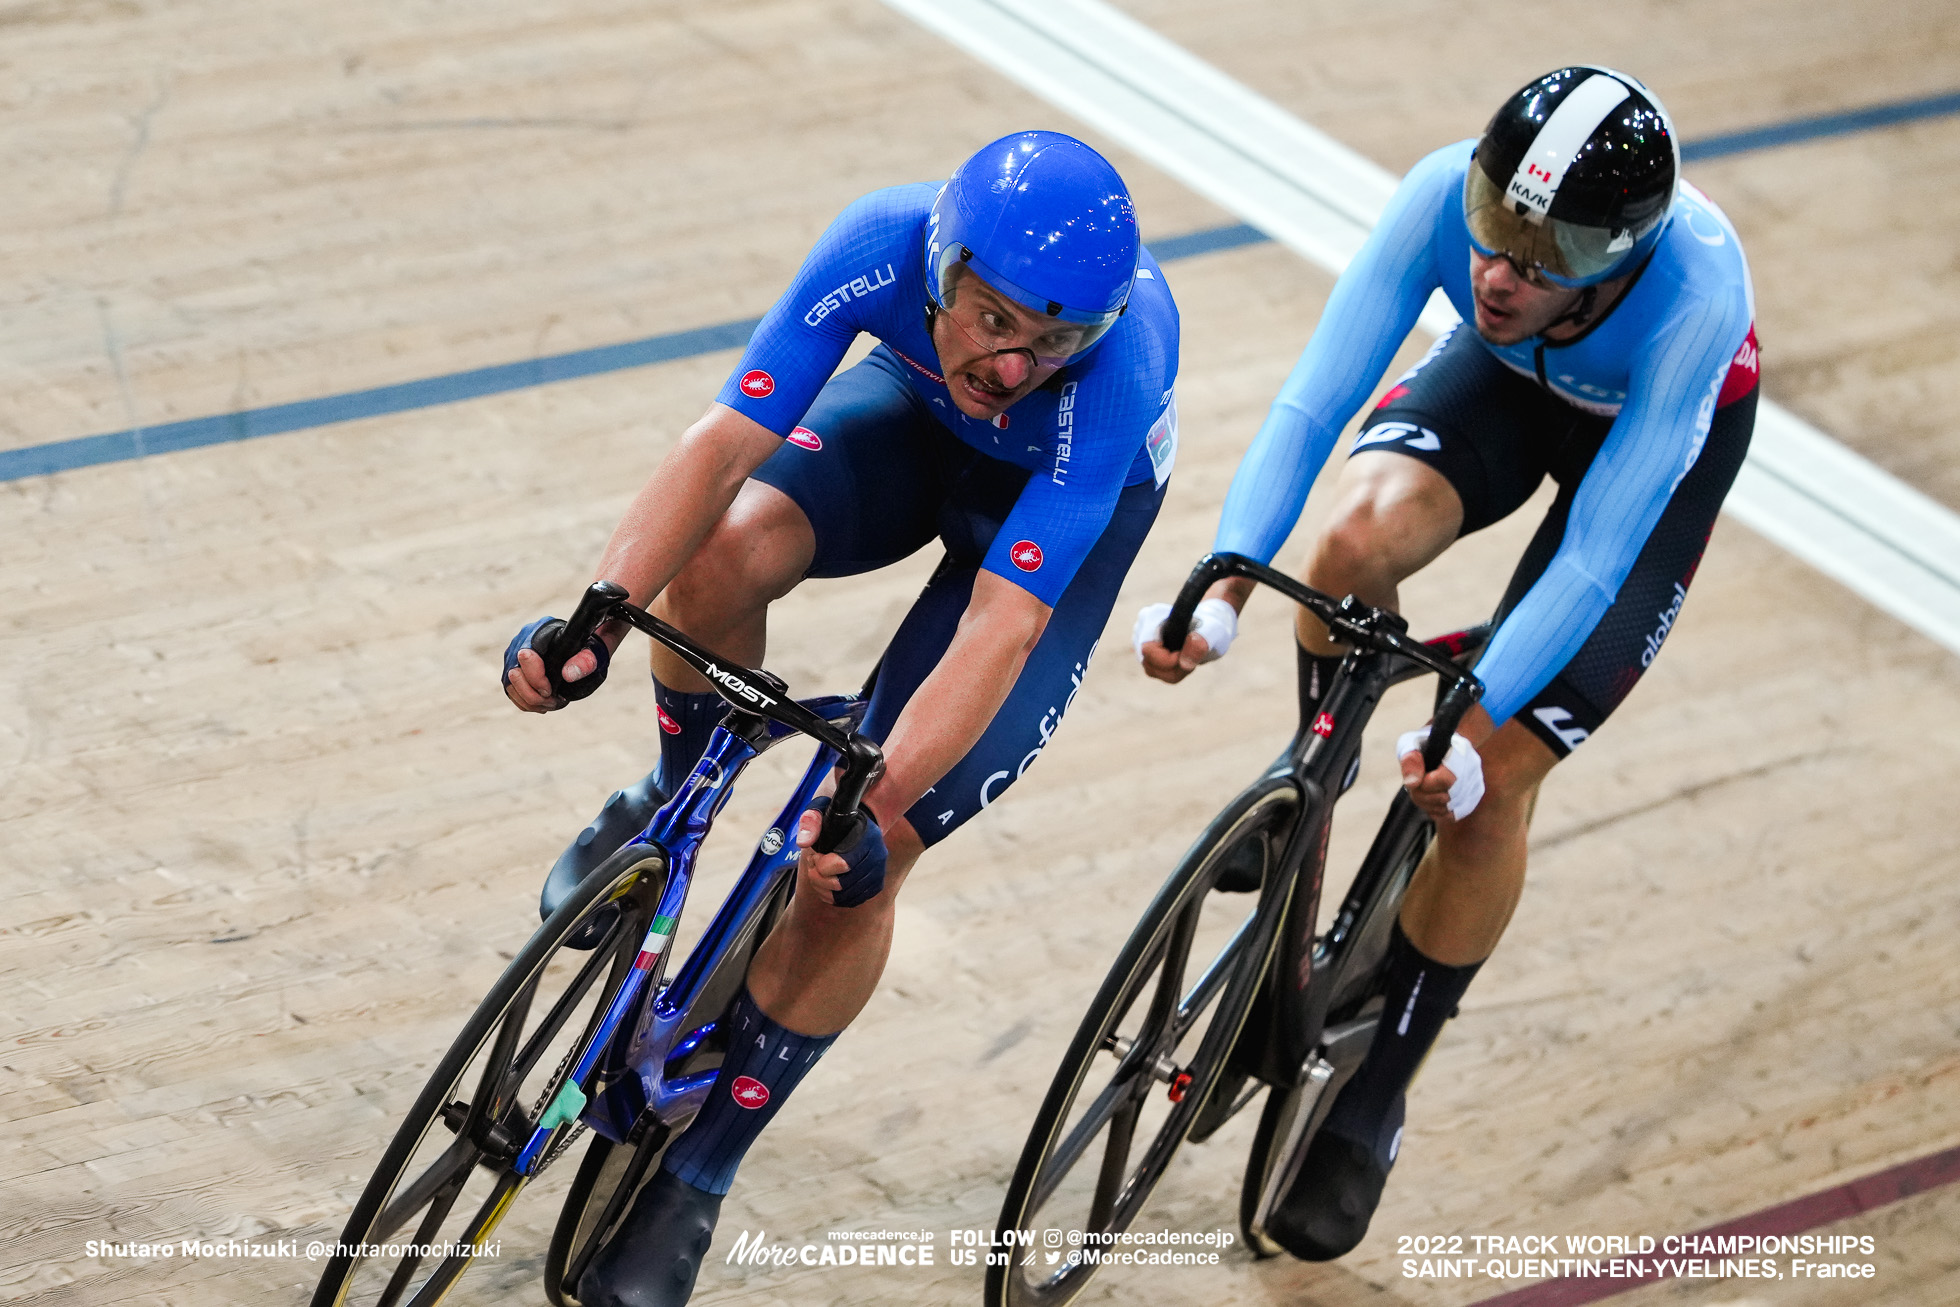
986	389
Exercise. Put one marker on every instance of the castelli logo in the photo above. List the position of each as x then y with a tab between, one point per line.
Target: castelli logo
758	384
749	1092
1323	726
805	438
1026	555
667	724
1001	422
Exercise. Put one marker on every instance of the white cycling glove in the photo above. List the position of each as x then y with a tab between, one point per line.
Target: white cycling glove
1214	619
1462	760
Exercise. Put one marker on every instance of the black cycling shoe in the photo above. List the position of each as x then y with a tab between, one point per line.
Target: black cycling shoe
653	1256
1326	1211
624	815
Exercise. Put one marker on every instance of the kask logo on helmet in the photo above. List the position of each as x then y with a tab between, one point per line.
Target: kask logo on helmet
1573	176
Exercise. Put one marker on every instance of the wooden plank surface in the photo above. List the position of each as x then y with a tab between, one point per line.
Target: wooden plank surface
1856	265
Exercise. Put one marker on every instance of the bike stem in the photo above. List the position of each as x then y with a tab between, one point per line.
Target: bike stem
746	690
1349	621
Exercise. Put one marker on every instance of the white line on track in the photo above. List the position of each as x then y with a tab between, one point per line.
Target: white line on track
1800	489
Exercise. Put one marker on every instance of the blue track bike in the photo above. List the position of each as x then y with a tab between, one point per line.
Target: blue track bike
586	1030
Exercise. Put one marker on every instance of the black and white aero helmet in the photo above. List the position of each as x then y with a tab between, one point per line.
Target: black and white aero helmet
1574	177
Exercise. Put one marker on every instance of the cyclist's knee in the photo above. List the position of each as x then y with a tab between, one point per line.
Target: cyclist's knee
1392	515
902	848
1515	763
755	553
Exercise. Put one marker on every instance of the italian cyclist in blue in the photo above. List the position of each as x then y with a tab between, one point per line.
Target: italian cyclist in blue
1607	342
1018	410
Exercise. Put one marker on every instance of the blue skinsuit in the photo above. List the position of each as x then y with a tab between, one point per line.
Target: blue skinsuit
1657	361
1056	495
1106	422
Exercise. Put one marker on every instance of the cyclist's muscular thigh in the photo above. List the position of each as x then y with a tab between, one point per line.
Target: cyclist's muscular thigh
754	555
1392	516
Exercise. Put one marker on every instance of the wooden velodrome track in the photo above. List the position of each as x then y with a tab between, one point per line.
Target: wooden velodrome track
269	829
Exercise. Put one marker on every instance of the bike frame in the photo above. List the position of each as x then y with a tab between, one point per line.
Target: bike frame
1297	993
653	1040
666	1034
648	1033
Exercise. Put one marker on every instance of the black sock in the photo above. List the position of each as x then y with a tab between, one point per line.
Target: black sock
765	1061
1420	996
687	722
1316	674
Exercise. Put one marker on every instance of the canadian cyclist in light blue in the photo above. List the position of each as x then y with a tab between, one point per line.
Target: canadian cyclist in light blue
1018	410
1608	342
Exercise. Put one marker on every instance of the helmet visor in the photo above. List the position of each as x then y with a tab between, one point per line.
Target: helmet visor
984	307
1565	253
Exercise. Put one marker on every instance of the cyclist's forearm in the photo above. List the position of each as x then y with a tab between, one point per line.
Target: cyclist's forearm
1234	590
958	700
683	499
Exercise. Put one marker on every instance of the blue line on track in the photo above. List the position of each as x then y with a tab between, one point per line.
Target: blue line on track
1811	129
1207	242
139	442
64	455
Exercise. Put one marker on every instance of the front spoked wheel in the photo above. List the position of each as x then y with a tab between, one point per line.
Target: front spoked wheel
448	1177
1146	1055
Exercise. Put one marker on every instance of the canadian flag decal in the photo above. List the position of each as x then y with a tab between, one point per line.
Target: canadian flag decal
758	384
1026	555
749	1092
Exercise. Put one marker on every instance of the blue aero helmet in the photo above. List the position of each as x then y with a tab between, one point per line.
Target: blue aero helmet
1573	180
1045	221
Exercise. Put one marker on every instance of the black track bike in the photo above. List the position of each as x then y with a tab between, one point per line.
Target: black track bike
1215	997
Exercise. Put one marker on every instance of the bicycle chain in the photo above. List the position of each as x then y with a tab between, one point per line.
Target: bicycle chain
558	1149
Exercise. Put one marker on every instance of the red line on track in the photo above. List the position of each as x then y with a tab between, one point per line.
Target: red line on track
1794	1217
